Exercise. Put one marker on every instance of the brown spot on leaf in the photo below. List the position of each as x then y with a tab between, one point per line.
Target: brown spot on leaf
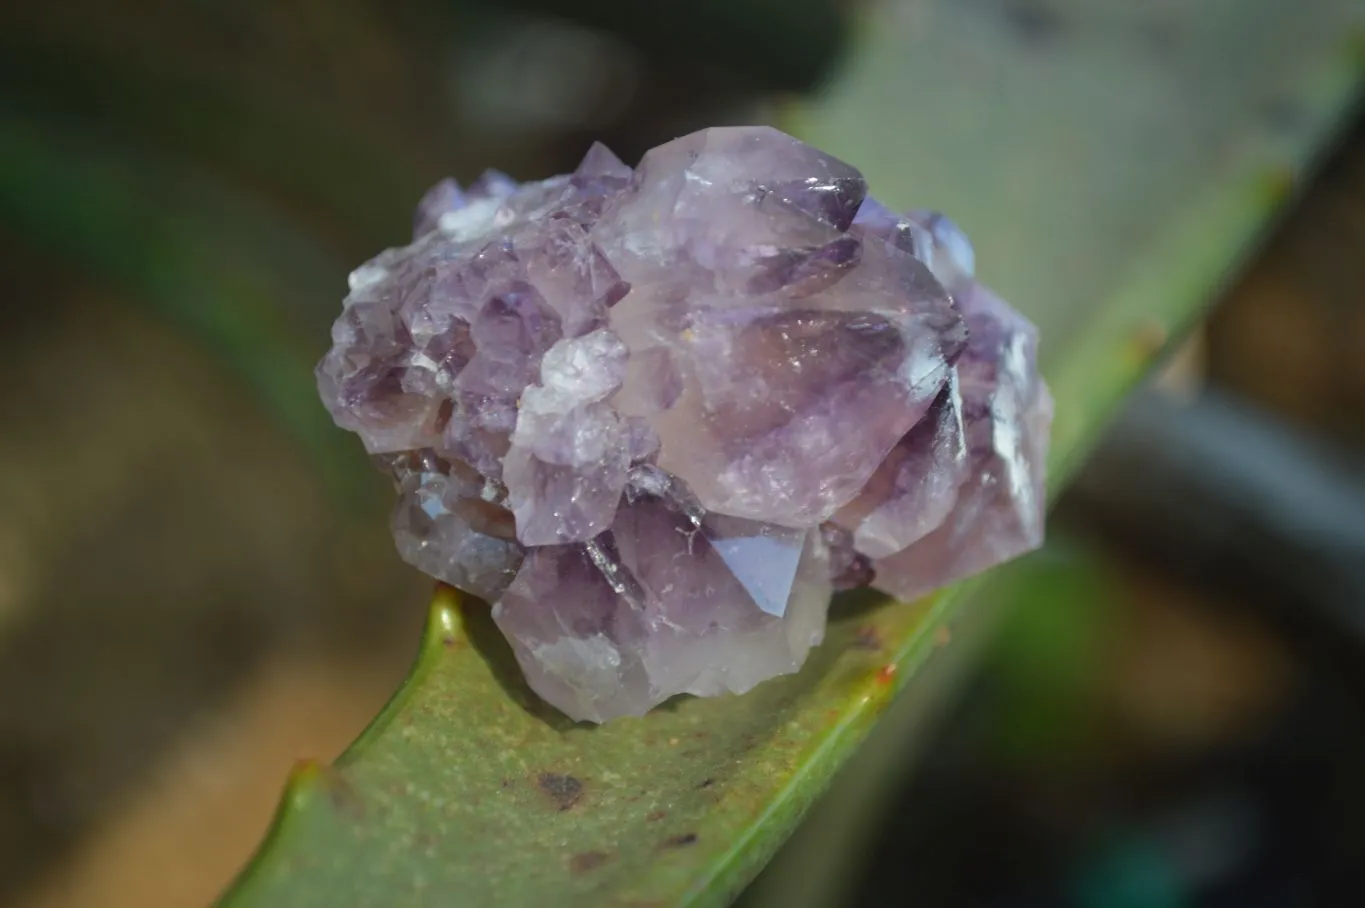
706	783
1147	340
679	841
587	860
867	638
340	792
943	635
655	816
1278	185
308	769
563	790
886	673
1033	20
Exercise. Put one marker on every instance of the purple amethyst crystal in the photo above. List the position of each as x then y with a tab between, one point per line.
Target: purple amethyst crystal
1006	412
672	599
915	486
656	415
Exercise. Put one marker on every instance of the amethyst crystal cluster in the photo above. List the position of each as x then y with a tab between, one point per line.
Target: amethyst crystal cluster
656	416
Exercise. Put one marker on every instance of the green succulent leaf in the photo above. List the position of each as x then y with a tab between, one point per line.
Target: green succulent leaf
1113	165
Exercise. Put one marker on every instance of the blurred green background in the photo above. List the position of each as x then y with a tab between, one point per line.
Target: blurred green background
196	581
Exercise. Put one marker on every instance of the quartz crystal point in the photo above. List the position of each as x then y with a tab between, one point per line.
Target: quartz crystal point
916	485
672	599
801	352
1006	414
656	415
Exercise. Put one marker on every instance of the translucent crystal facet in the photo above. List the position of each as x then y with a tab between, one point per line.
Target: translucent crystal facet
672	599
915	486
1006	410
656	415
448	525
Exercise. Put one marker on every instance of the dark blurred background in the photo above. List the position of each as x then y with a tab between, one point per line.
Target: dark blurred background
196	581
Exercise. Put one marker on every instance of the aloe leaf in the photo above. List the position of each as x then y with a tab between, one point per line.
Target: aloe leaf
1113	168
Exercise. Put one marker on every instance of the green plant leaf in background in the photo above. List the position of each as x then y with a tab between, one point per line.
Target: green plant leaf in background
1113	162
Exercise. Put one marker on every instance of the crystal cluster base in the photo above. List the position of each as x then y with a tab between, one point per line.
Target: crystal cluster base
656	416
